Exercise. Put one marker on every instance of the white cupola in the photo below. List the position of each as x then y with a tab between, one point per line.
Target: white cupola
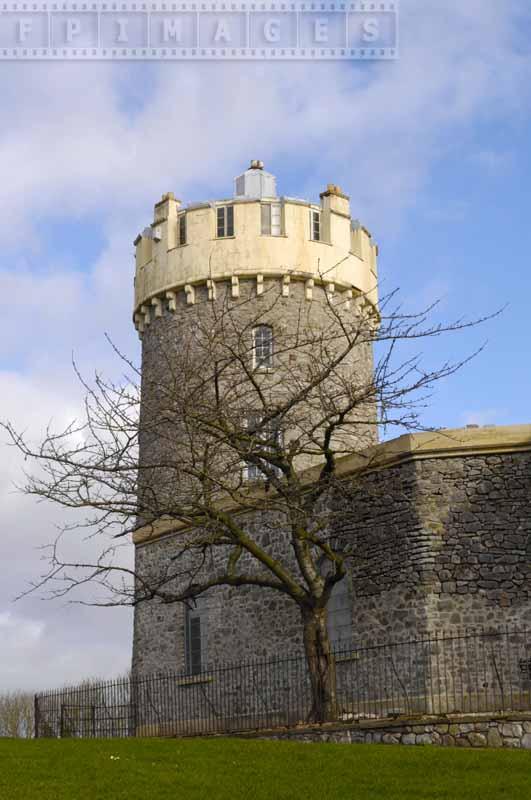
255	182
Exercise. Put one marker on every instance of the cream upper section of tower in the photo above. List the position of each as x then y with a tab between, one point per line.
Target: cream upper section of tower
263	236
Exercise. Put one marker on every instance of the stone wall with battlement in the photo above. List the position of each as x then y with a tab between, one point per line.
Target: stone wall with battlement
344	259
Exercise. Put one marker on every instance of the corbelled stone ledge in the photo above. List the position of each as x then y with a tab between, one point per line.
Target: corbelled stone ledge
153	305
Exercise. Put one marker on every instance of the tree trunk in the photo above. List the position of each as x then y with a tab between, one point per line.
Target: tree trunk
321	665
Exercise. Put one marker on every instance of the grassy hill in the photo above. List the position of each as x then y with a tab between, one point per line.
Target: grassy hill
228	769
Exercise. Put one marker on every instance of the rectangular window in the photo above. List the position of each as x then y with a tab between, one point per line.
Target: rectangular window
263	347
221	221
271	219
265	213
225	221
252	472
525	668
315	226
182	229
267	437
195	627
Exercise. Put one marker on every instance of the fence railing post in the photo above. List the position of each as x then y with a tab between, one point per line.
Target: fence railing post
36	716
133	699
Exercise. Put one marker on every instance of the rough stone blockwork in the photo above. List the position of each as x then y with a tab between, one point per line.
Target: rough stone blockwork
478	732
241	624
443	543
244	623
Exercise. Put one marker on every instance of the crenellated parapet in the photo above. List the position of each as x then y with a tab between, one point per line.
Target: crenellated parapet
257	239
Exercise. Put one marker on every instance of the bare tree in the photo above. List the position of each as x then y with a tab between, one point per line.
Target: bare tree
221	436
16	714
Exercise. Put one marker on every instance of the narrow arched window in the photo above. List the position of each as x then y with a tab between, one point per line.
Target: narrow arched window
340	612
340	625
263	347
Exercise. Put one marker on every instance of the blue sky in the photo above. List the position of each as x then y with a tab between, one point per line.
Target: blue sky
433	149
469	237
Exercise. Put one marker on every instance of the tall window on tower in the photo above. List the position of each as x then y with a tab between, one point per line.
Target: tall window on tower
315	225
225	221
263	347
265	437
182	229
271	218
195	638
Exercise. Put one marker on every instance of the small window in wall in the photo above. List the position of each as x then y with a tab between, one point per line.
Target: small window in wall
195	637
271	218
263	347
225	221
182	229
252	472
315	226
524	665
266	438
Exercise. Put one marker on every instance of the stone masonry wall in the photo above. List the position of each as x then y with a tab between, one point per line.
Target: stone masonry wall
513	732
241	623
443	543
293	319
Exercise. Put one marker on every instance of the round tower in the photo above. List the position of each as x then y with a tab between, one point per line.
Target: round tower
241	252
275	265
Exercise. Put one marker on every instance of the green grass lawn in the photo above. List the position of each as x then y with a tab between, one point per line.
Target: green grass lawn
227	769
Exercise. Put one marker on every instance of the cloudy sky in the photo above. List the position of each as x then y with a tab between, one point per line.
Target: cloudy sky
434	150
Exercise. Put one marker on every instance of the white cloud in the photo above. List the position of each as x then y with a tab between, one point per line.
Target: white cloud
39	655
20	632
74	148
44	642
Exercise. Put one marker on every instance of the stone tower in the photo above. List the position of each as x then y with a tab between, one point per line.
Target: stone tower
237	252
443	536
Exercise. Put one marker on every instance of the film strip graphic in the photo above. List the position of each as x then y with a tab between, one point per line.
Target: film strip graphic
245	31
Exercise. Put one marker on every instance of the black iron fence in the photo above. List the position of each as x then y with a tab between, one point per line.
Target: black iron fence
445	673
